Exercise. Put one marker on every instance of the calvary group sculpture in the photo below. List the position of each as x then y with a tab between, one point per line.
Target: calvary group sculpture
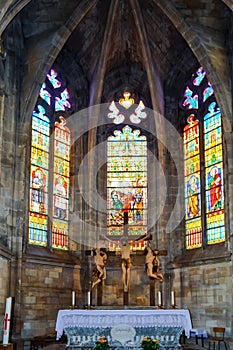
152	262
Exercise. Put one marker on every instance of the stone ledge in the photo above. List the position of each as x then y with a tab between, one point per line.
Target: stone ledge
5	252
55	257
211	254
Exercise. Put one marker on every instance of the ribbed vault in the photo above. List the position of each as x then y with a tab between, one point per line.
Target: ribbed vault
103	36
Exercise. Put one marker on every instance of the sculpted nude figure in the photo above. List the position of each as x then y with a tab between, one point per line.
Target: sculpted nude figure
100	265
153	263
126	263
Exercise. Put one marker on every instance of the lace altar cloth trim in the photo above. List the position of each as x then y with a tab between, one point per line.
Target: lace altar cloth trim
112	318
168	337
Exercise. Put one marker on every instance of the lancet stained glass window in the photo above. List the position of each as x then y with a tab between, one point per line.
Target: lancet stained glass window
204	192
38	216
49	174
192	183
61	184
126	186
214	175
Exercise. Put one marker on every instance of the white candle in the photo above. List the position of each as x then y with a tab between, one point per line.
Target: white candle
88	298
172	298
73	298
159	298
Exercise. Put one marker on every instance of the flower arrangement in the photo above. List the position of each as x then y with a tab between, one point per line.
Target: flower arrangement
102	343
149	343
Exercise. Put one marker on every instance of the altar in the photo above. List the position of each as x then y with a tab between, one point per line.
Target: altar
123	328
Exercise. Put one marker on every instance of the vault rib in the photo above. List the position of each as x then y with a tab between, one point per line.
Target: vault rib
55	46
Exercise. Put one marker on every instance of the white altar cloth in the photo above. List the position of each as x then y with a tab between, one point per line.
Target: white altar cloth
112	318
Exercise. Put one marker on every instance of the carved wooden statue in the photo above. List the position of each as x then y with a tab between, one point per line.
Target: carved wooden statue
153	263
99	271
126	262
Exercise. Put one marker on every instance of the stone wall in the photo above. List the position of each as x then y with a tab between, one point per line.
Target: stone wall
4	288
46	288
206	291
4	283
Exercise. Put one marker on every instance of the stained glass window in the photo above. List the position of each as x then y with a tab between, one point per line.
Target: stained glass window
214	175
126	100
38	219
61	184
49	174
192	183
204	192
45	95
126	186
191	99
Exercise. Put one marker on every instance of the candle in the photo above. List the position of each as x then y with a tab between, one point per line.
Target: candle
73	298
88	298
159	298
172	298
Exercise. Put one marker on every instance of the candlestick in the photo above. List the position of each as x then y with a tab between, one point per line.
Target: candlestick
88	298
172	298
73	298
159	298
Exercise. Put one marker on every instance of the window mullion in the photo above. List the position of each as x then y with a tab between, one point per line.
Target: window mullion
50	187
202	189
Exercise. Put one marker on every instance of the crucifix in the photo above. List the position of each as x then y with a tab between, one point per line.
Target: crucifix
152	262
126	263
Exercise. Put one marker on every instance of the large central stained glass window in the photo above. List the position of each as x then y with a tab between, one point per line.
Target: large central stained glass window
126	186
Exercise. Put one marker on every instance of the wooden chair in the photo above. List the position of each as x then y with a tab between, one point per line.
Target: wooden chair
218	338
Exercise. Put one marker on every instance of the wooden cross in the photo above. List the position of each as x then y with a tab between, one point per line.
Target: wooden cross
126	226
